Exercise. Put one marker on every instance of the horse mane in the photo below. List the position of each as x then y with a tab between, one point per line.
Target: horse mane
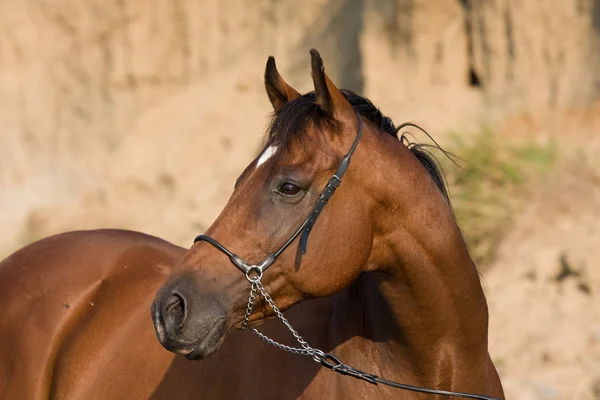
294	118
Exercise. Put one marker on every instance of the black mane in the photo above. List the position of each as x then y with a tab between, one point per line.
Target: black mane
295	117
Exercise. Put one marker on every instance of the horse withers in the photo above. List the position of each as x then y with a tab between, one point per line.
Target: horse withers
402	297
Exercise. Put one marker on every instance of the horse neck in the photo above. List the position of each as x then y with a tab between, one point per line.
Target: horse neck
422	296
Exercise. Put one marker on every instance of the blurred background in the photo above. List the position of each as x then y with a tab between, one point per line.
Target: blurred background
141	114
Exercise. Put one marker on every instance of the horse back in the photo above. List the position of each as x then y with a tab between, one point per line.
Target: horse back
70	305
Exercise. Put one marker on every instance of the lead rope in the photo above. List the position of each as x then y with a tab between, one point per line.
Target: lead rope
329	360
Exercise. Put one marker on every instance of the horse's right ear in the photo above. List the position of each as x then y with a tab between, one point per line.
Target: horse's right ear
278	90
329	98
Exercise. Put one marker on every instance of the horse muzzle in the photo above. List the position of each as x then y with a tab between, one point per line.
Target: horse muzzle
186	322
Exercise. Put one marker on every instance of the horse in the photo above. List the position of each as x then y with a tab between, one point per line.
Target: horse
75	307
386	290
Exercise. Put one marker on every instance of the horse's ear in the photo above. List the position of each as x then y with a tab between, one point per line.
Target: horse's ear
329	98
278	90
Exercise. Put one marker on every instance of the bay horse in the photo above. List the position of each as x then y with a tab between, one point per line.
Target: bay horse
400	296
405	303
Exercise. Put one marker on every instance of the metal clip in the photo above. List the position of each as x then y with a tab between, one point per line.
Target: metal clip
332	362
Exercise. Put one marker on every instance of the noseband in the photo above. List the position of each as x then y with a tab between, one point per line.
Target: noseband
254	272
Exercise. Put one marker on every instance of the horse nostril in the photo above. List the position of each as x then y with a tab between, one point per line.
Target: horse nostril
175	310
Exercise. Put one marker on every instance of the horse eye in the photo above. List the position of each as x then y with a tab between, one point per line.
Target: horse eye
289	189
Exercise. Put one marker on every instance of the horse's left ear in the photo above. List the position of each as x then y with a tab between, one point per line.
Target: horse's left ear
278	90
329	98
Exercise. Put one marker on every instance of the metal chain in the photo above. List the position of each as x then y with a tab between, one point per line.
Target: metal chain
249	306
329	360
306	350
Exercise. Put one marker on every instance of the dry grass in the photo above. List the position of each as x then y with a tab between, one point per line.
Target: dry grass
490	184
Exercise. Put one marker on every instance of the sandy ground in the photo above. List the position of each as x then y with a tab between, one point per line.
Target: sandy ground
543	290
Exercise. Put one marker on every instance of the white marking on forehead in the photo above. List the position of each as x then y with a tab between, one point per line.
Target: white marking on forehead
268	153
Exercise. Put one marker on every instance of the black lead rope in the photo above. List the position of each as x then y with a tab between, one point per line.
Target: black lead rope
327	360
332	362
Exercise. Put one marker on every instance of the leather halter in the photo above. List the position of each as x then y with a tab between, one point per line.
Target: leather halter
328	360
306	226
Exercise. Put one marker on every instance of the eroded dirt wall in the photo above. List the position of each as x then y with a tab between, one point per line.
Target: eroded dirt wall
111	107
